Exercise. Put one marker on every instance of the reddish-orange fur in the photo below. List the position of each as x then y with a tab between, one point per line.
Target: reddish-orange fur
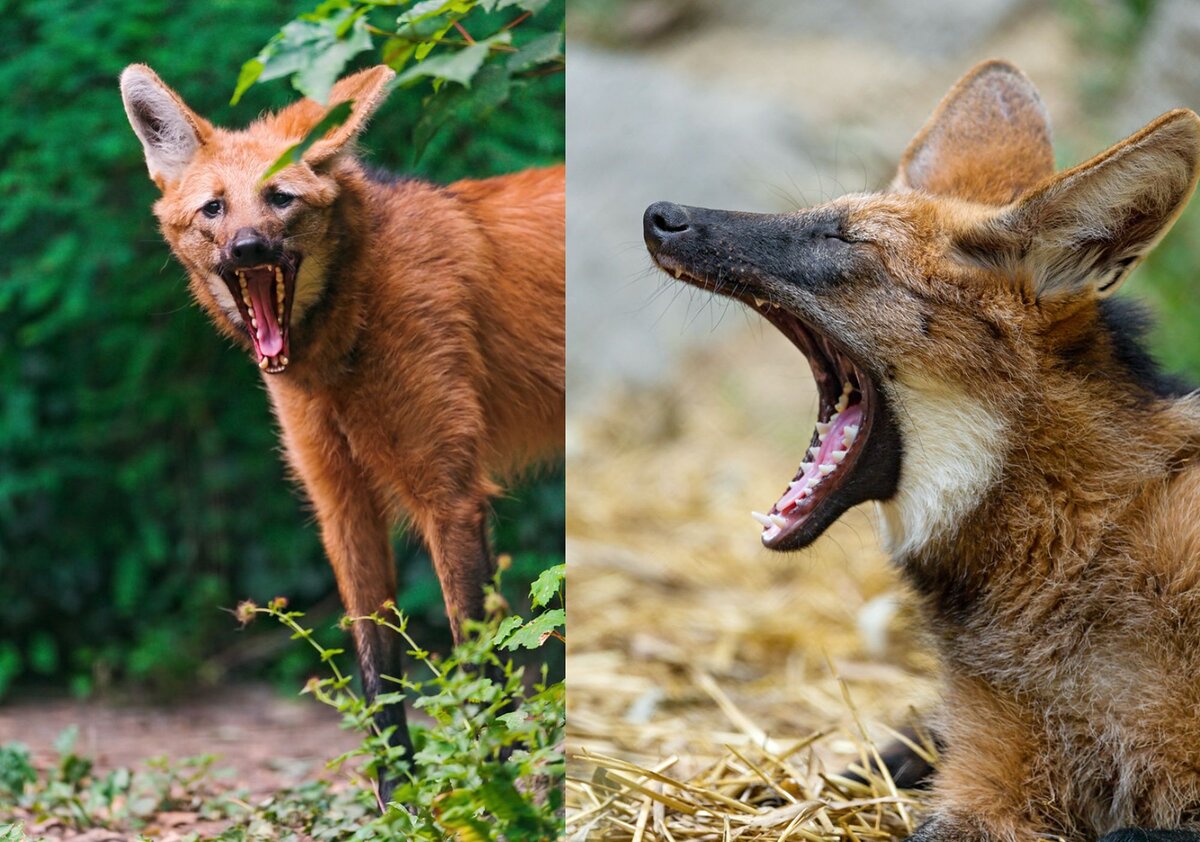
427	342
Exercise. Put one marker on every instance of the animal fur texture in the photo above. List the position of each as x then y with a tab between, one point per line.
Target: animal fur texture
411	335
1038	480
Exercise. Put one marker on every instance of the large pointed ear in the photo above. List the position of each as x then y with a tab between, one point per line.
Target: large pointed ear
987	141
170	132
1084	231
367	88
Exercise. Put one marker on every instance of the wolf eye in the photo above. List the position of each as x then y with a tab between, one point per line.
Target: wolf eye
213	209
279	199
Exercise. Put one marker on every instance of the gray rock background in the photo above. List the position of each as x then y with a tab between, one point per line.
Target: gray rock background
765	105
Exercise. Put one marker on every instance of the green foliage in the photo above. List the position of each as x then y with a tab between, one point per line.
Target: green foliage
429	43
140	482
481	707
462	791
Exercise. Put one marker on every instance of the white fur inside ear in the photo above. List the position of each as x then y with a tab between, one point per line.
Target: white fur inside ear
168	137
952	455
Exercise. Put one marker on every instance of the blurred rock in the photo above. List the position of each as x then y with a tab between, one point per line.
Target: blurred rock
928	29
1166	74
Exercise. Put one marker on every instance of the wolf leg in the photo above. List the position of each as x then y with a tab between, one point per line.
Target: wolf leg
356	536
462	558
907	768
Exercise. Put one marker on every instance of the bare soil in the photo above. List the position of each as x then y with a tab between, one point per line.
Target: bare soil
265	740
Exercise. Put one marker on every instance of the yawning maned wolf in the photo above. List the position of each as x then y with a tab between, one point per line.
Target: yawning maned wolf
411	336
1038	480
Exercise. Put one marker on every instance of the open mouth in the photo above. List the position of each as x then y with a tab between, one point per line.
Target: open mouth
851	439
264	298
836	446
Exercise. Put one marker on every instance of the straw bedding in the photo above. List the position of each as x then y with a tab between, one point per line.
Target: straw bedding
718	690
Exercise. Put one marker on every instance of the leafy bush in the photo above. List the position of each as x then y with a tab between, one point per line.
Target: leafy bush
140	484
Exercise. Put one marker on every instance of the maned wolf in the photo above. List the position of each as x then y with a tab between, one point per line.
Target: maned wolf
1038	480
410	336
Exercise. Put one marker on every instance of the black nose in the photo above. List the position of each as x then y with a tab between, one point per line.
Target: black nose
250	248
662	221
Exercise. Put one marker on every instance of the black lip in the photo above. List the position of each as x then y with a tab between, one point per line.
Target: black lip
751	258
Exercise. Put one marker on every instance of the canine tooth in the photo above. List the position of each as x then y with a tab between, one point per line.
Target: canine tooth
763	519
778	521
263	363
678	274
283	360
823	427
843	402
838	456
826	470
814	452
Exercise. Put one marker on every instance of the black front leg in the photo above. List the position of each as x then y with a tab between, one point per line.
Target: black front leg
379	655
1137	834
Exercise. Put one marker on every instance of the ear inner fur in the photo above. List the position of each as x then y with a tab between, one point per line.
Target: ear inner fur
170	132
1086	229
988	141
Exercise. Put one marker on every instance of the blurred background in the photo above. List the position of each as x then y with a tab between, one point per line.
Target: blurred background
141	486
689	642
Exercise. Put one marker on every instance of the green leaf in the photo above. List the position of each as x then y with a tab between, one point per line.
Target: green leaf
490	89
312	50
531	6
534	633
316	79
292	155
547	585
249	74
431	8
460	66
540	50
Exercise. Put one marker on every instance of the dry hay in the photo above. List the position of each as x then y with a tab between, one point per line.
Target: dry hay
718	690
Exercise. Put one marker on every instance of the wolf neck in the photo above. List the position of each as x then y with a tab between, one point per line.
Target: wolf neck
990	508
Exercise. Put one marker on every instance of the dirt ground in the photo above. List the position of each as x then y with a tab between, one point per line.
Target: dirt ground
693	651
266	740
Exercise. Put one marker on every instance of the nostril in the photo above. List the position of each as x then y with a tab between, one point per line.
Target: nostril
664	219
670	223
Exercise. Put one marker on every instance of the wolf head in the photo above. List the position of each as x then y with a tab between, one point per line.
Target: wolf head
936	315
257	251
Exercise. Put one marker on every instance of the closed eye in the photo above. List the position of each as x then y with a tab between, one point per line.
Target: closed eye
840	236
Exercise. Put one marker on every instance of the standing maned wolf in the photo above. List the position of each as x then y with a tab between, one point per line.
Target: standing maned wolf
1038	480
410	336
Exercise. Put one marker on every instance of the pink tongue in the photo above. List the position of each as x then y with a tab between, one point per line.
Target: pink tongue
833	441
270	337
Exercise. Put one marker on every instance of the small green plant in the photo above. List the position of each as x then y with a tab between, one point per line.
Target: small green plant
490	764
72	794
